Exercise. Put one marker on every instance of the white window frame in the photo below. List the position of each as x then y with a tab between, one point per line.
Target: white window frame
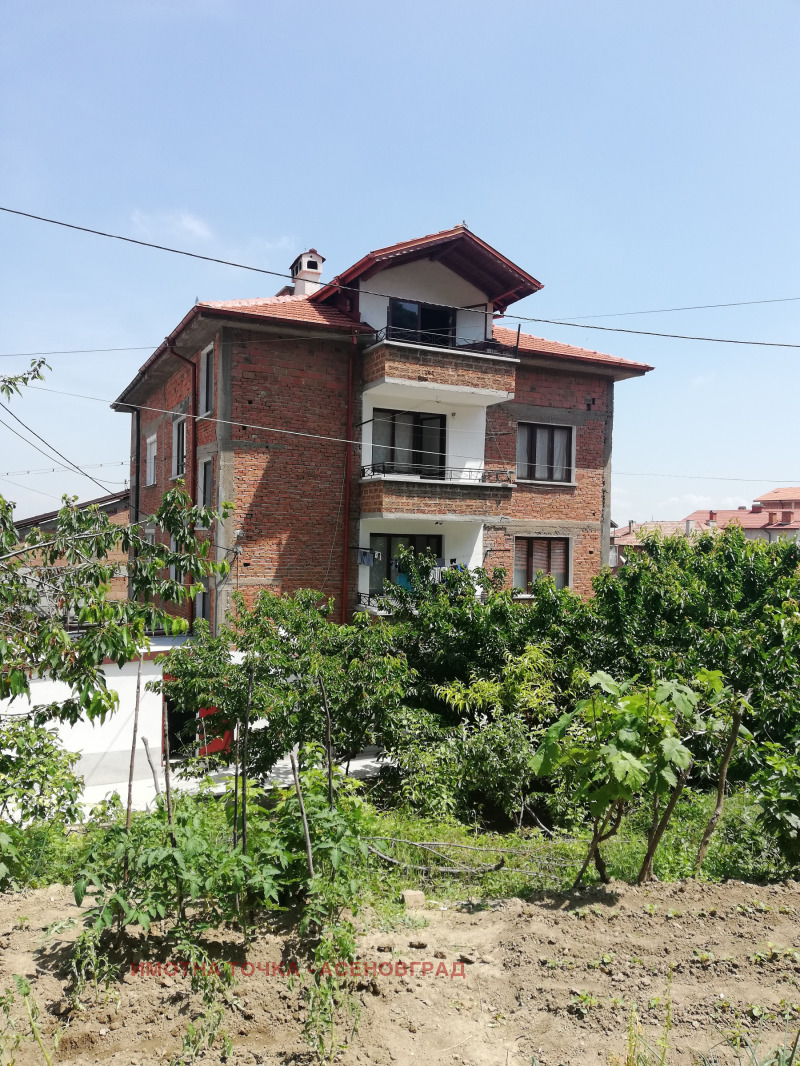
151	461
181	420
206	360
573	452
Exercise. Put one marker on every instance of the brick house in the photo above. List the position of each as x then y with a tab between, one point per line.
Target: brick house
117	506
482	444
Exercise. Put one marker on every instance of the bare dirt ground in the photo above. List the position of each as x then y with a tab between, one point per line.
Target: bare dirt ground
550	981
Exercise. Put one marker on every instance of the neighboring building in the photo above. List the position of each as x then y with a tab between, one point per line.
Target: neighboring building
468	439
774	515
117	506
628	538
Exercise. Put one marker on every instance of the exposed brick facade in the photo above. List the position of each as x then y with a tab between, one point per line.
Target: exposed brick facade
447	368
279	429
288	489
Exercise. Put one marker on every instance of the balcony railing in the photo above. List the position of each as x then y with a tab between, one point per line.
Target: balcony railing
459	474
371	599
445	338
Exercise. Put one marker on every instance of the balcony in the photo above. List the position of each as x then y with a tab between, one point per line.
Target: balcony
482	495
433	474
405	362
443	338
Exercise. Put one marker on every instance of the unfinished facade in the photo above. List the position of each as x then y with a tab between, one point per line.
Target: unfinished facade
385	408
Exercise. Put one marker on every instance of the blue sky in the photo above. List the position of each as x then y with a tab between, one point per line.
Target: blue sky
631	156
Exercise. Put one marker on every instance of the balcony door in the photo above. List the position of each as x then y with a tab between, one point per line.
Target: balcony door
388	544
421	323
408	442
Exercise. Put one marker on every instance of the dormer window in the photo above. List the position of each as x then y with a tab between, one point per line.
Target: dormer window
421	323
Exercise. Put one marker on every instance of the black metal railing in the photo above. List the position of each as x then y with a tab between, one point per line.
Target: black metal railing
374	599
445	338
459	474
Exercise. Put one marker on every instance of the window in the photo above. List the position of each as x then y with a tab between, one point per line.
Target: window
202	603
406	442
413	321
205	483
151	452
388	568
540	555
179	447
544	453
207	381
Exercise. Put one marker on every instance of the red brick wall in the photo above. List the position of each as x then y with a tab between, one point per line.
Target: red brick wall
443	368
290	494
289	490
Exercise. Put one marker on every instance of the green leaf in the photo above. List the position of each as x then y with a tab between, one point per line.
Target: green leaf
676	753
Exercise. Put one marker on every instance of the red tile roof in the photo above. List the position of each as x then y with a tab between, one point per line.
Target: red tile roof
624	537
287	309
529	343
790	495
460	250
746	519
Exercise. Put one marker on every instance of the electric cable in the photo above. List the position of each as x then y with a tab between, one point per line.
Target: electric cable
351	288
52	448
344	440
691	307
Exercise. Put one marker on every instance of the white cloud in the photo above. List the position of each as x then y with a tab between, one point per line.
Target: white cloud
180	224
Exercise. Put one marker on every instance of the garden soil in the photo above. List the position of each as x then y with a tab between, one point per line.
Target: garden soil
549	981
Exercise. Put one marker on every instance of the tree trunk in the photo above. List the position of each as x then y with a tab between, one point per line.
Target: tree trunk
646	872
600	866
723	778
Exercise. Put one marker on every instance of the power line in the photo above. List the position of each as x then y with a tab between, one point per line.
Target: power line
692	307
344	440
27	488
351	288
77	351
50	446
53	469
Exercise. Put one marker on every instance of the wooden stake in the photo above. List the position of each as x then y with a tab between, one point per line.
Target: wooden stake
133	759
153	770
329	742
235	786
293	757
246	733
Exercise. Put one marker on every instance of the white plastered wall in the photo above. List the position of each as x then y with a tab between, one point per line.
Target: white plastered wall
462	541
465	423
427	282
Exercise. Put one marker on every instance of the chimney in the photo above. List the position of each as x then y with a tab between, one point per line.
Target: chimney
786	517
631	524
306	272
712	517
773	518
756	508
742	507
688	530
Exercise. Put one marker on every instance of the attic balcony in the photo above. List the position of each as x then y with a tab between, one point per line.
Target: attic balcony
422	362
